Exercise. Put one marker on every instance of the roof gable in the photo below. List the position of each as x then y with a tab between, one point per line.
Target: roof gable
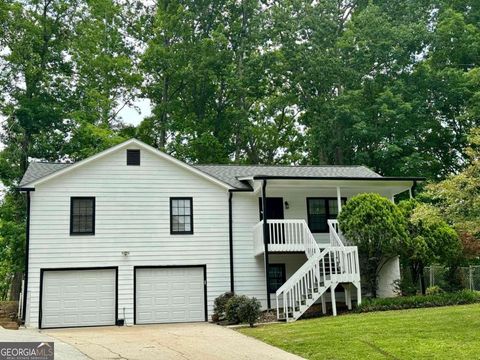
38	173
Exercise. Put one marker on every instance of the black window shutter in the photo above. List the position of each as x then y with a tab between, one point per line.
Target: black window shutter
133	157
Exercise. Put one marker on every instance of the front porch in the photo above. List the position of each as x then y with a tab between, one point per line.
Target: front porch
300	217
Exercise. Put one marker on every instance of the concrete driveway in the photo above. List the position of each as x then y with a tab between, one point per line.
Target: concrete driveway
167	342
63	351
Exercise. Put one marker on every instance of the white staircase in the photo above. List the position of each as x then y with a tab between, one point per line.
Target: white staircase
324	270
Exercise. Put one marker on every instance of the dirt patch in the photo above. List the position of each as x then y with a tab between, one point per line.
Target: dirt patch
8	314
267	316
315	310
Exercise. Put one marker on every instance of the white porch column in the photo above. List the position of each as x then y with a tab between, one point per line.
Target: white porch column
339	199
324	304
410	193
333	300
348	295
359	293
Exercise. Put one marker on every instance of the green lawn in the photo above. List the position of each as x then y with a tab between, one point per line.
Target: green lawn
435	333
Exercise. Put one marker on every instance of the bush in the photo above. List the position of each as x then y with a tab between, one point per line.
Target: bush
219	306
420	301
241	309
249	311
232	306
405	286
434	290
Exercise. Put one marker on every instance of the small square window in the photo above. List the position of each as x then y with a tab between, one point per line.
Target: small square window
133	157
181	216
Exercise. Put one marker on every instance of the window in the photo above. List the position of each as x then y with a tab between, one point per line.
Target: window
133	157
82	216
276	277
319	211
181	216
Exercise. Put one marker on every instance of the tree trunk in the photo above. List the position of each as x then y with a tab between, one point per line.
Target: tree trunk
422	280
16	286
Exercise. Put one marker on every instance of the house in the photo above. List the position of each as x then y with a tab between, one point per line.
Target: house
135	236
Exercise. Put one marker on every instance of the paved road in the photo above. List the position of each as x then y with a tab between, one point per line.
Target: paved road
63	351
168	342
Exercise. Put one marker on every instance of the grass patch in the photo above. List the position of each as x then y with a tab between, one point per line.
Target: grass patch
434	333
420	301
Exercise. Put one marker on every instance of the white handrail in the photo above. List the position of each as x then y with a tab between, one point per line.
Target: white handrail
334	230
300	272
285	235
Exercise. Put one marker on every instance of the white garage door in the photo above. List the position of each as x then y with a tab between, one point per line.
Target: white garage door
78	298
165	295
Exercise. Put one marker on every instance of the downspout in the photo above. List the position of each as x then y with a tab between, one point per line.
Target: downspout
230	239
266	239
27	252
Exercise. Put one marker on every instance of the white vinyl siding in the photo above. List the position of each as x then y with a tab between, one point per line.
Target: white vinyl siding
78	298
132	213
167	295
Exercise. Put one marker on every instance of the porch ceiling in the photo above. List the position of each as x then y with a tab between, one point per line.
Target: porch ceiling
387	185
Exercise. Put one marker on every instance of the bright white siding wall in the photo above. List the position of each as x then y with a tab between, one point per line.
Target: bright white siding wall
249	269
132	214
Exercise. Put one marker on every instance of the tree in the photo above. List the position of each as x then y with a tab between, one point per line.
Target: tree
458	199
430	240
378	228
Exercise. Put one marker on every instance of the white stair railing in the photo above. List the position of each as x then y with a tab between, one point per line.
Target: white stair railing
323	269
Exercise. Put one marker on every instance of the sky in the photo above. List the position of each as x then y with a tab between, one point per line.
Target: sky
131	116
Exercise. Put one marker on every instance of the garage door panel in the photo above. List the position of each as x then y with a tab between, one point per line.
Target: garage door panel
78	298
176	295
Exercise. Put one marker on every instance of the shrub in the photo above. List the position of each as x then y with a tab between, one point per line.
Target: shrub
232	306
378	228
434	290
219	306
405	286
249	311
241	309
420	301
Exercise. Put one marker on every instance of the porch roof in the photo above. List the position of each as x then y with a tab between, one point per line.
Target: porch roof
239	175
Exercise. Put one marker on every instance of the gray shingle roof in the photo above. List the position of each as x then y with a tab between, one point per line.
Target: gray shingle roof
38	170
231	173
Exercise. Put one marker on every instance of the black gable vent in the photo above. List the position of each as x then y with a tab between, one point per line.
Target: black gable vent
133	157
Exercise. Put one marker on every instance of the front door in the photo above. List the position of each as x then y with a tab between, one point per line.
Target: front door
274	212
274	208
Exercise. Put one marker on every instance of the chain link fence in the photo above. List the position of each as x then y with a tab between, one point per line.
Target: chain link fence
466	277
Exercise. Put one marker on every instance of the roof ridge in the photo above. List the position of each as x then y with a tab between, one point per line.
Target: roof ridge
51	162
277	165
